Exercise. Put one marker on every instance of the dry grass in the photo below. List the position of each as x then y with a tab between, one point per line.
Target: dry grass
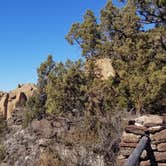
49	159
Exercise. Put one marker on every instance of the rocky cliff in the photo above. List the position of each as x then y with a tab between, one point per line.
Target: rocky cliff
9	101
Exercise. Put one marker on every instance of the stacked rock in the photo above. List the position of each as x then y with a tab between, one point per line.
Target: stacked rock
155	126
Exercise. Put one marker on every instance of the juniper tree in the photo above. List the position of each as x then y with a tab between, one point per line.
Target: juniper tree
138	55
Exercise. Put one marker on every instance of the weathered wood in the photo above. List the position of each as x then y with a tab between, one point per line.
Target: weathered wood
135	155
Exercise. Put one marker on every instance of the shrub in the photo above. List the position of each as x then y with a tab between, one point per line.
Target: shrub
34	107
2	152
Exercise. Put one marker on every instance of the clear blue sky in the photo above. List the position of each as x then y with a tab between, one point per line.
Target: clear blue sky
32	29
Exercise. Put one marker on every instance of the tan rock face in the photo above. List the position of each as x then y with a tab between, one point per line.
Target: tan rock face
105	67
4	104
9	101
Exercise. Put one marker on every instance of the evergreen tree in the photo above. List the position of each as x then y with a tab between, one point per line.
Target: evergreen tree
138	56
86	35
65	88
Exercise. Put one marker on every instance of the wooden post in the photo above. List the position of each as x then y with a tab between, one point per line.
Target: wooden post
135	155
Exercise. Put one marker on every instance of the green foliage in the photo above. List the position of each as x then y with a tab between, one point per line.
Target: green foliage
152	11
35	107
43	72
137	55
2	152
86	35
65	88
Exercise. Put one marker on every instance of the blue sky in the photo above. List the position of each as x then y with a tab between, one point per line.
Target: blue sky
30	30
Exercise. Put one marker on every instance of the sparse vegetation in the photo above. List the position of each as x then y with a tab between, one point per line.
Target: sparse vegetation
2	152
3	124
138	56
48	159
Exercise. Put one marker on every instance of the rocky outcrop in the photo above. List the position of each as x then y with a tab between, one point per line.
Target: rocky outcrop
155	126
105	68
4	104
9	101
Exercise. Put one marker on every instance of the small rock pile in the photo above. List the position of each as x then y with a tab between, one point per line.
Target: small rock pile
155	125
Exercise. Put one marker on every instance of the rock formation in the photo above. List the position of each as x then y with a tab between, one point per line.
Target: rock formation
9	101
105	68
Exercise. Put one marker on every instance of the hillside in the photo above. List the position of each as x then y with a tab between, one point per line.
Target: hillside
57	141
79	112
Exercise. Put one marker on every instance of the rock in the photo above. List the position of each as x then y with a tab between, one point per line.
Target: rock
150	120
18	97
144	155
160	136
129	145
145	163
43	127
121	162
130	138
125	151
43	142
136	129
3	164
164	118
160	156
161	147
155	129
4	104
105	68
161	164
120	157
154	147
